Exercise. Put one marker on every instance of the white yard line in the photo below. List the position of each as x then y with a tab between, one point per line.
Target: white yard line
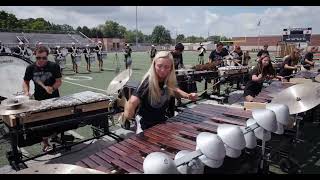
75	134
89	87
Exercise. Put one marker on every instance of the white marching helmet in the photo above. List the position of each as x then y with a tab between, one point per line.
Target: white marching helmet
73	43
99	42
87	45
20	43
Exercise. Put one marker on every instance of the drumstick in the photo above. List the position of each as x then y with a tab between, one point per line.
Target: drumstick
211	87
42	85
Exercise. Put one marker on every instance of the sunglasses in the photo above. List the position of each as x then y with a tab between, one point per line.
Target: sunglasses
43	58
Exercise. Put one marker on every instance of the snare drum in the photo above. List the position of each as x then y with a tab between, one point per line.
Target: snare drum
129	61
77	59
103	55
92	58
61	61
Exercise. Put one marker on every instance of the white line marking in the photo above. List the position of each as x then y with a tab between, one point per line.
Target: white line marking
89	87
75	134
78	78
24	152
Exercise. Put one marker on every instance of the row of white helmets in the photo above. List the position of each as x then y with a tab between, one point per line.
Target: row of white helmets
229	141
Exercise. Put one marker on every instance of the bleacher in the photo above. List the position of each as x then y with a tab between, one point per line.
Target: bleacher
51	40
8	38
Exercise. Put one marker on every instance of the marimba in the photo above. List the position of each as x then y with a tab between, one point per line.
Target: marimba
58	115
178	133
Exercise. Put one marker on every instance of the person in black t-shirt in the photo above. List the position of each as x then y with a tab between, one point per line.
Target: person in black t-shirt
246	58
201	51
263	71
151	100
177	56
263	51
237	55
216	56
307	62
127	56
290	64
46	76
153	52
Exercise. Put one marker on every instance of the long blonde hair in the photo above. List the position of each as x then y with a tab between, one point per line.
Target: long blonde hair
170	81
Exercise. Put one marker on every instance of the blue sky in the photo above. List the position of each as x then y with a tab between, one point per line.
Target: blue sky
230	21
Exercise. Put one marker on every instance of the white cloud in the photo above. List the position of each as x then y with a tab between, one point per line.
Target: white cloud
183	20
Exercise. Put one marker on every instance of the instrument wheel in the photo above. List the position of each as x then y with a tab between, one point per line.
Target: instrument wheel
286	165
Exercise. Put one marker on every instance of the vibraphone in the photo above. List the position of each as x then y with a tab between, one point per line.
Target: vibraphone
58	115
178	133
231	71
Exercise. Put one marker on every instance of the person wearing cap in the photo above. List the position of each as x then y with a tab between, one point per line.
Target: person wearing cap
201	51
153	52
87	52
177	56
73	50
216	56
127	56
46	73
263	51
98	49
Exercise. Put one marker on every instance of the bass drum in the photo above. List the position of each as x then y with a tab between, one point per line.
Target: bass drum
12	69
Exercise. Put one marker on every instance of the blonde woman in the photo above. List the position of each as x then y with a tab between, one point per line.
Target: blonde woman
152	98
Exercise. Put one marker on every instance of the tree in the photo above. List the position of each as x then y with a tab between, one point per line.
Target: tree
67	28
112	29
160	35
86	31
180	38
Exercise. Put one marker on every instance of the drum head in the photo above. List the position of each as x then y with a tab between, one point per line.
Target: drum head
64	52
12	71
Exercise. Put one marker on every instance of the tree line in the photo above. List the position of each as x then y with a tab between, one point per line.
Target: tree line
110	29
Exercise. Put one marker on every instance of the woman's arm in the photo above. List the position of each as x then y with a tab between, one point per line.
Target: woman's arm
182	94
256	78
130	107
286	66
